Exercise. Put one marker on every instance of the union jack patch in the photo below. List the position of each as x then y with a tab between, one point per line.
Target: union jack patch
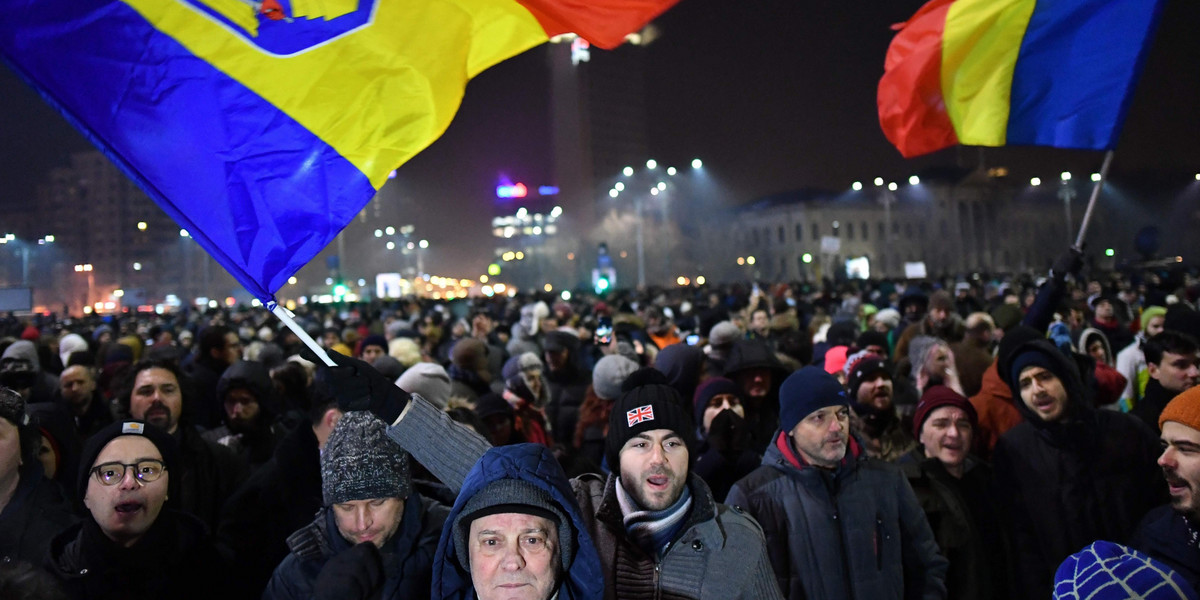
637	415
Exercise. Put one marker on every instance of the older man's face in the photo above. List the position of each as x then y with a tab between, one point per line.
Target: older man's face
514	556
823	436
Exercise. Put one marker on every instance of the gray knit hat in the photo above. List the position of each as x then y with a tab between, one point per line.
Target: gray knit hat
724	333
512	496
427	380
610	371
360	462
918	351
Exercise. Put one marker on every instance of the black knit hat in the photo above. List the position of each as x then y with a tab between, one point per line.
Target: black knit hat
645	408
512	496
91	449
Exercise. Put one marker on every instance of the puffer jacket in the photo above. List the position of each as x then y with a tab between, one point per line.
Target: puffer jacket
717	555
854	532
1090	475
407	557
535	464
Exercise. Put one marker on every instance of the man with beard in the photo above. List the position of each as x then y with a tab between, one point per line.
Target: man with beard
1069	474
219	347
941	322
251	428
838	524
207	473
77	386
870	387
1168	532
655	525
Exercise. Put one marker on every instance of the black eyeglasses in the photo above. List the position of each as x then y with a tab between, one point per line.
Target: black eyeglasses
144	471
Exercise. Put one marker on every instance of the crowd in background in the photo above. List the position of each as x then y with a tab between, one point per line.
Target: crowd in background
1023	416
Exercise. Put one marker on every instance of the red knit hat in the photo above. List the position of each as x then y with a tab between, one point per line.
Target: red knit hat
936	397
31	333
1183	409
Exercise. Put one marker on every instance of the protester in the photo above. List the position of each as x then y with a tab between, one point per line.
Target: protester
1069	474
838	524
723	455
1173	366
369	512
876	420
129	545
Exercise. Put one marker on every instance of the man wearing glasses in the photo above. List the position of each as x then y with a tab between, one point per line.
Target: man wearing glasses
128	546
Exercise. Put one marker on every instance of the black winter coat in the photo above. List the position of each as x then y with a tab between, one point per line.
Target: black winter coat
407	557
36	513
174	559
1166	535
281	497
1091	475
854	533
568	388
210	475
964	518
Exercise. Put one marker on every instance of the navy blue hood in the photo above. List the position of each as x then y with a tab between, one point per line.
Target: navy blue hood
533	463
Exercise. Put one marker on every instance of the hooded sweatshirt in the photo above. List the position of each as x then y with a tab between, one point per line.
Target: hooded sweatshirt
534	464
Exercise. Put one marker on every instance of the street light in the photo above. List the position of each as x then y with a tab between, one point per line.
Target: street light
856	186
1036	181
627	171
878	181
696	163
893	187
914	180
671	171
652	164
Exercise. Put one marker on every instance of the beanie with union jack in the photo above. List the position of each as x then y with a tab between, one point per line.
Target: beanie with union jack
646	408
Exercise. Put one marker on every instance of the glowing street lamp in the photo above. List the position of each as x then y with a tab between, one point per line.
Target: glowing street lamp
856	186
1035	181
696	163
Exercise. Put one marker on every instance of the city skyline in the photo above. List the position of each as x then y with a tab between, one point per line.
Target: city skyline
772	98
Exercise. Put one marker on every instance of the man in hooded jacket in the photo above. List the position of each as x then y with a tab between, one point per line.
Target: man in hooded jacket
1069	474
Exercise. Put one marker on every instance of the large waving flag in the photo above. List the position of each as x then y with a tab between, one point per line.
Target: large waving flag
263	127
1014	72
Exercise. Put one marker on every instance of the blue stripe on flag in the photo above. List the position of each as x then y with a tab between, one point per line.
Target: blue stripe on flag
257	190
1076	71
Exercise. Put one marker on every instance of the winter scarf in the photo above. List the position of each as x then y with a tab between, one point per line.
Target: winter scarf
652	530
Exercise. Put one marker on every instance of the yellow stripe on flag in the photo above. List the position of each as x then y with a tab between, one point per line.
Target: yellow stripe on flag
980	45
378	94
237	11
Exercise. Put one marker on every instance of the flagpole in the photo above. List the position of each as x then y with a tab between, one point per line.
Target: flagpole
286	317
1087	216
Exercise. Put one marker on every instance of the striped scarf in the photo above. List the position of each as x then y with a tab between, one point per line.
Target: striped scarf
652	530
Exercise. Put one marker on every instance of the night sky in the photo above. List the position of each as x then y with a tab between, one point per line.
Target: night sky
772	95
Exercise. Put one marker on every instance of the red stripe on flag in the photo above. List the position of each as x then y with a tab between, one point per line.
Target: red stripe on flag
603	23
912	108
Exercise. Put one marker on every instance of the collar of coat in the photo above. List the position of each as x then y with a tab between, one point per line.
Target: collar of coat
793	458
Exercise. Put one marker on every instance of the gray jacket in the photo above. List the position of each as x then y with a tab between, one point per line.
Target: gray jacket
857	532
719	553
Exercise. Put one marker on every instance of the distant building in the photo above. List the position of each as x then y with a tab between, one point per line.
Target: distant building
953	224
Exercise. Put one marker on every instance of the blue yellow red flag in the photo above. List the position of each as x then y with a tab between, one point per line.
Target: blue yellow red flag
1055	73
263	127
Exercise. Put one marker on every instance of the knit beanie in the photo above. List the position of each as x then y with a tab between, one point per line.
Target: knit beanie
645	408
375	340
609	374
73	342
889	317
91	449
1108	571
1152	312
1007	316
724	333
865	369
427	380
806	391
360	462
640	377
835	359
713	387
872	338
1033	357
1183	409
512	496
521	363
388	367
936	397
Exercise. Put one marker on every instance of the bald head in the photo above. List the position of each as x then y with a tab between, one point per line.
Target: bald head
77	383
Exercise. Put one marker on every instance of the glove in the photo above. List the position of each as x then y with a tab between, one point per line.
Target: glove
727	434
358	386
1069	262
354	574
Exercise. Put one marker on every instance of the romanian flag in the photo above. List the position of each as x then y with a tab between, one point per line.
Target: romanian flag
1014	72
263	127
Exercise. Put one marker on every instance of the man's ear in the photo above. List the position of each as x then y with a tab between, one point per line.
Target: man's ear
1152	370
331	417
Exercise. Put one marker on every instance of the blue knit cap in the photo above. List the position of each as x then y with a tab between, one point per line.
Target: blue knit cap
1108	571
806	391
1033	357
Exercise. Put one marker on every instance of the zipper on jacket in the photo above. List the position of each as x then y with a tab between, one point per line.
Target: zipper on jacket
842	542
878	544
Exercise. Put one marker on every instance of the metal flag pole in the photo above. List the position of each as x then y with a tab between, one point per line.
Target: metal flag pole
285	316
1087	216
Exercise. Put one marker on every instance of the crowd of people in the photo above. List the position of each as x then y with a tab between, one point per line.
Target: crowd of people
972	438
